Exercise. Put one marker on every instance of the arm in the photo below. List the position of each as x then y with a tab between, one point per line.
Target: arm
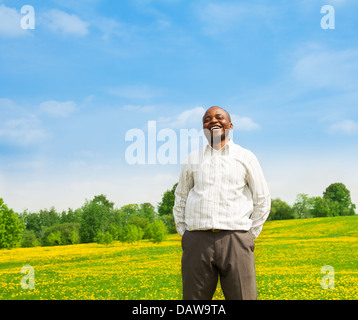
181	194
260	196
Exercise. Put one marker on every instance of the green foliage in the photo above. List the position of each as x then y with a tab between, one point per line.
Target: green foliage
336	201
132	233
280	210
49	218
104	238
169	222
96	215
98	221
320	207
61	234
71	216
157	231
10	227
29	239
139	222
32	222
53	239
165	207
115	231
130	210
147	211
339	194
302	205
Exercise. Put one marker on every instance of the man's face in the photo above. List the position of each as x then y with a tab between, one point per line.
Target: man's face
216	124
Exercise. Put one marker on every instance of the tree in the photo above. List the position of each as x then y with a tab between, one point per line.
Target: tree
139	222
338	192
104	238
131	210
11	227
157	231
147	211
71	215
96	215
320	207
132	233
49	218
165	207
32	222
169	223
29	239
53	239
302	206
280	210
61	234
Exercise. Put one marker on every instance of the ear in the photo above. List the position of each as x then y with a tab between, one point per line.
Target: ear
231	126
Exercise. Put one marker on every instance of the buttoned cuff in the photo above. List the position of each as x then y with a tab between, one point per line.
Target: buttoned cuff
252	234
181	229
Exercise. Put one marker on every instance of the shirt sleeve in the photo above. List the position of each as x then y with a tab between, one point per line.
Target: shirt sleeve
260	196
181	194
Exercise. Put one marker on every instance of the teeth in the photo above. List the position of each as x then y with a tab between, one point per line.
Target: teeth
215	128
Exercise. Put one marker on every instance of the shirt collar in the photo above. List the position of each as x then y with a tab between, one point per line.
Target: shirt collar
224	150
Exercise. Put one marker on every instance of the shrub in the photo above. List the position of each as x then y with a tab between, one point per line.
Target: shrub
132	233
61	234
29	239
157	231
104	238
10	227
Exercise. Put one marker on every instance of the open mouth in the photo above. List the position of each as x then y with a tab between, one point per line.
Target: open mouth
215	128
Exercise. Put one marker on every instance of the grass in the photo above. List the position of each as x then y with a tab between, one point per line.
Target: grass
289	257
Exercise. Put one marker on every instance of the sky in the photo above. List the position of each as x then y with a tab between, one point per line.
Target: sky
88	72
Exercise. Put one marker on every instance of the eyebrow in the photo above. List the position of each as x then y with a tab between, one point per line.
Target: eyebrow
215	115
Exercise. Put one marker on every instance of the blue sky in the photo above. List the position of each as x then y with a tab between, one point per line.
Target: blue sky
71	88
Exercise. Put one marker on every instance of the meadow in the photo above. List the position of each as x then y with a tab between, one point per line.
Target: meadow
289	257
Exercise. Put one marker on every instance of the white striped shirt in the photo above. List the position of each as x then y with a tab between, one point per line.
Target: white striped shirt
221	189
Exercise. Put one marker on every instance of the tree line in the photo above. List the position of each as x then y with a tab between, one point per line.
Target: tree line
99	221
96	221
335	201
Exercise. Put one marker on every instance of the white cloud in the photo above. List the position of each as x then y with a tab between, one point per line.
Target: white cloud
110	27
23	130
348	127
243	123
321	68
10	20
58	109
187	119
63	22
18	125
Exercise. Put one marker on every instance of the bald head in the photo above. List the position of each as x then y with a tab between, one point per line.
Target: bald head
219	109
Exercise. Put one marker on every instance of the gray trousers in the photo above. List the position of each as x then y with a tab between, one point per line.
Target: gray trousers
208	255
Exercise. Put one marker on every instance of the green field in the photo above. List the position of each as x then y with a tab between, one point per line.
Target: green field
289	258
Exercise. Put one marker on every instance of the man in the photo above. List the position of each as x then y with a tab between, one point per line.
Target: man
221	203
